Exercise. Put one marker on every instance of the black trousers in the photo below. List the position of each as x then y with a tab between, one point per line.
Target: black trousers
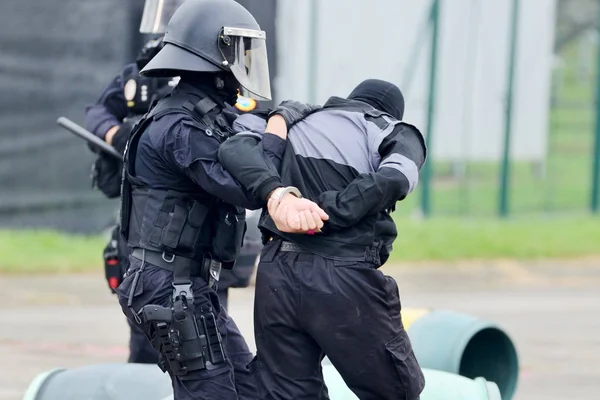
232	380
307	306
141	350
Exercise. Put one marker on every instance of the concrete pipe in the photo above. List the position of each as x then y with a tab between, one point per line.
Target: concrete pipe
464	345
442	340
101	382
439	385
142	381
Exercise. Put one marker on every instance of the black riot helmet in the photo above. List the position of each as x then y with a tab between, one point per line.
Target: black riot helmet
215	36
150	49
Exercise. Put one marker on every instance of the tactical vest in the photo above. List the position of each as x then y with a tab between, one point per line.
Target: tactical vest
171	221
140	91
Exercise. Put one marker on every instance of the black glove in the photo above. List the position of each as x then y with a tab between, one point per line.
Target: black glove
293	111
107	175
120	138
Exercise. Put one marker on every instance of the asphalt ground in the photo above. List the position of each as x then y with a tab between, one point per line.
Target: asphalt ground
551	309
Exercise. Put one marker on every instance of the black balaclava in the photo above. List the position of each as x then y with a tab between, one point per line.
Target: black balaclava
382	95
222	85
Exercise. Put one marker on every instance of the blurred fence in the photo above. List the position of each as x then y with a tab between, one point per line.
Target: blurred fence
55	57
566	180
510	125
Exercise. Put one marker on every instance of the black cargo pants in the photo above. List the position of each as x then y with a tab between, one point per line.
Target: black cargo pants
232	380
141	350
307	306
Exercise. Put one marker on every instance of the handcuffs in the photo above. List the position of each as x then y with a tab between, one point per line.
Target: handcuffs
282	191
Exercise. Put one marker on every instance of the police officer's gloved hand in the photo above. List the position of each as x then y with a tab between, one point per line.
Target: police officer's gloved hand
293	111
107	175
119	140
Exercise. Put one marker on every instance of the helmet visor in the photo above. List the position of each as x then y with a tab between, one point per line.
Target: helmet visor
245	54
157	14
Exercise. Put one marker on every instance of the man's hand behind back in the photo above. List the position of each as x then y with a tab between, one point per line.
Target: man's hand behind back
293	215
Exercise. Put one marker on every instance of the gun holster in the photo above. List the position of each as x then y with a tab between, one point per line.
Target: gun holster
187	343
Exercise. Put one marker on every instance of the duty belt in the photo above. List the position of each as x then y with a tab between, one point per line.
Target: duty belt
208	269
286	246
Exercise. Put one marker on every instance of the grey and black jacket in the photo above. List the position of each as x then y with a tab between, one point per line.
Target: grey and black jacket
354	161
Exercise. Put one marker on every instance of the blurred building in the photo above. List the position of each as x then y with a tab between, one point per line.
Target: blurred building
389	39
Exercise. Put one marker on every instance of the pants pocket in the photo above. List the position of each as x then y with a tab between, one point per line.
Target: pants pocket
409	372
132	285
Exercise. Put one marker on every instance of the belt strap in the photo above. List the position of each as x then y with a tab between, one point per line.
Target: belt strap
180	266
286	246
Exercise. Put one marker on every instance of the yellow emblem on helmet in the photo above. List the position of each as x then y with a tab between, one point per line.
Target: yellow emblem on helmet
245	103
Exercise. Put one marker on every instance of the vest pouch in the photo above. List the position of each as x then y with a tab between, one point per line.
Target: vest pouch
194	227
174	228
125	213
230	227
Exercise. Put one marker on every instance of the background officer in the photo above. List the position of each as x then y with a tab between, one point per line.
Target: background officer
178	211
323	294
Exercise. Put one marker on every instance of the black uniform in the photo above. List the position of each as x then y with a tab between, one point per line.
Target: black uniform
173	196
181	212
323	294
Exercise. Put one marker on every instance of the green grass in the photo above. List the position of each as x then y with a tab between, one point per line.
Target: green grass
437	239
47	251
449	239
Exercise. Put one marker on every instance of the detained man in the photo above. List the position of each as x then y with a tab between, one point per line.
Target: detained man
322	294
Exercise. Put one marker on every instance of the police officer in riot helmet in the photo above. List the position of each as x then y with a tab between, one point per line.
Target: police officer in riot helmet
182	214
155	17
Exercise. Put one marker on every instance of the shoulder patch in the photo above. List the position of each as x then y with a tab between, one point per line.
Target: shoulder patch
245	104
130	89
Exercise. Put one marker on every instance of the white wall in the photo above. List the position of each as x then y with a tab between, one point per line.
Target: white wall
360	39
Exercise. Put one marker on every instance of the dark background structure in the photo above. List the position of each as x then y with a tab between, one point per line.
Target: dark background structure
56	56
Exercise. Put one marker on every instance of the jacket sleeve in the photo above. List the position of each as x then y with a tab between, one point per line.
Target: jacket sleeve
110	109
253	157
196	155
402	153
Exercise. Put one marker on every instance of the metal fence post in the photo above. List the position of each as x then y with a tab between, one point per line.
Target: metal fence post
427	170
313	51
595	199
503	207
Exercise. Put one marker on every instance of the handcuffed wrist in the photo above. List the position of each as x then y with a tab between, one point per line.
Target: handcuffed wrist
282	191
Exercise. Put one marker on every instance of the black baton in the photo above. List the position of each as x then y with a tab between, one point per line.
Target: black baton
88	136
